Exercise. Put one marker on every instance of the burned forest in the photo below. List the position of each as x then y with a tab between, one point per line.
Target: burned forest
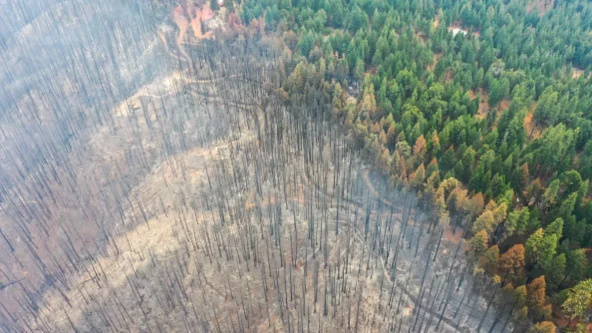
155	177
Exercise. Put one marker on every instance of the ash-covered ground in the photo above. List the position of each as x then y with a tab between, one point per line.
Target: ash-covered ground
152	185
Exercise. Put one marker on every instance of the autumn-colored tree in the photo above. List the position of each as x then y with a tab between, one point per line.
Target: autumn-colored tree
485	221
297	78
536	296
419	149
579	300
435	143
391	136
533	246
375	128
456	201
446	188
417	179
388	121
383	140
432	167
432	183
544	327
508	290
500	213
399	166
491	205
478	244
522	313
367	107
490	259
383	159
402	167
512	263
547	312
519	297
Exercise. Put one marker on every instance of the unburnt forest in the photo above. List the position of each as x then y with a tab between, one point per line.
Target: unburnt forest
295	166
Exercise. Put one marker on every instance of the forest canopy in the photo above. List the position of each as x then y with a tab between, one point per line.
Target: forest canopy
296	165
494	94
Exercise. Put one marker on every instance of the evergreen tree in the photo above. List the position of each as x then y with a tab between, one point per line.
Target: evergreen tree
533	247
556	271
577	263
536	296
555	228
512	264
478	244
544	327
490	259
546	111
579	300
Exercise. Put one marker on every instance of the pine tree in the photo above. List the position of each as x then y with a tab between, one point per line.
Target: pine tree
548	249
512	264
550	195
536	296
556	271
579	300
544	327
418	178
533	246
517	223
478	244
475	205
520	296
490	259
556	228
419	149
577	263
485	221
546	111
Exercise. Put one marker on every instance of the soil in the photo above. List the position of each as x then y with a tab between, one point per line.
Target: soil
577	73
435	60
531	127
457	27
196	17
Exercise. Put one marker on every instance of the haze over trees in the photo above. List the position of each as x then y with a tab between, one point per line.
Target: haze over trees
295	166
